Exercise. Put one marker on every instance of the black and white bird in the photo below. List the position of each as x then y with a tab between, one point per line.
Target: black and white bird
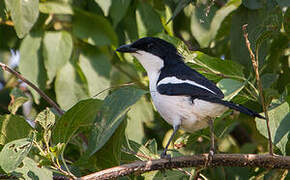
182	96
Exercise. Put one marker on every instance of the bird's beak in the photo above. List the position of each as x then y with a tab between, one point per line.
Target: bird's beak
126	49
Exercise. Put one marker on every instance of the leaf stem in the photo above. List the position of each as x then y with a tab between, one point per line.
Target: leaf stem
39	91
255	64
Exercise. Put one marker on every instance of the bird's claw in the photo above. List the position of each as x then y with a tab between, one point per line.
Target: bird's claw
209	158
163	155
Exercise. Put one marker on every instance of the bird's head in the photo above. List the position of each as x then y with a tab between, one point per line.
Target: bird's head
152	53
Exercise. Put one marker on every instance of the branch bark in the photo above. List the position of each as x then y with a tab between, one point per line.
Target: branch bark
233	160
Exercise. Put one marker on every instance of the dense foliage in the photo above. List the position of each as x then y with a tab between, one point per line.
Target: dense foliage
67	49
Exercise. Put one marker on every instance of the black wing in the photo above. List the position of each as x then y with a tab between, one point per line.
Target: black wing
183	72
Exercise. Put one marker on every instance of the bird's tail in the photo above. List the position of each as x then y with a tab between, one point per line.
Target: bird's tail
236	107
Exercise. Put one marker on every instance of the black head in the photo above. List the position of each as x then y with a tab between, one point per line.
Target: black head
155	46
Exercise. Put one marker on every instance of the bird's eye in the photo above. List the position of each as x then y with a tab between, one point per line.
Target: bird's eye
149	45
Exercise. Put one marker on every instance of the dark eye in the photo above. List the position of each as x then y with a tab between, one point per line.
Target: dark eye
150	45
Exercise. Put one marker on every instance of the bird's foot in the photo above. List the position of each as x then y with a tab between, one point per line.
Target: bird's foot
209	158
163	155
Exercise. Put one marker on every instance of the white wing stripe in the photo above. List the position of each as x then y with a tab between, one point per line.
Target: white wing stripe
174	80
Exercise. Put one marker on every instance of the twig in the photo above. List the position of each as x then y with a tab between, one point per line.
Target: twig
39	91
256	69
233	160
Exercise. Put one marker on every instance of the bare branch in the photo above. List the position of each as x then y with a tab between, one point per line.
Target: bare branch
39	91
233	160
256	69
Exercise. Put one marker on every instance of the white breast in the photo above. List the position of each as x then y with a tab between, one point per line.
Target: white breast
177	109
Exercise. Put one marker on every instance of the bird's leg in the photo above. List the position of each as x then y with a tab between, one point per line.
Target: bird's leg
212	143
175	129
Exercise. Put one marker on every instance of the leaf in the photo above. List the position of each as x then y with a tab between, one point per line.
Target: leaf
230	88
13	154
139	113
105	5
96	67
118	10
31	64
283	3
254	4
55	7
74	87
215	65
18	98
24	14
57	49
268	80
279	119
204	28
94	29
110	154
148	21
112	113
13	127
46	119
265	20
31	170
81	114
181	4
142	150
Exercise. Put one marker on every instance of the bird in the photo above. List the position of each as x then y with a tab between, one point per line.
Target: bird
183	97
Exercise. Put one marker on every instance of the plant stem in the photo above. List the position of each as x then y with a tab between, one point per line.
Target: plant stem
255	64
39	91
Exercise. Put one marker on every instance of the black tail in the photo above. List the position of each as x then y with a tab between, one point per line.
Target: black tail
236	107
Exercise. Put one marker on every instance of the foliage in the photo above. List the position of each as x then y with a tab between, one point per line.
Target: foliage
67	49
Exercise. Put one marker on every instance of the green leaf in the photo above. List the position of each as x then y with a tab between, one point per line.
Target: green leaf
118	10
70	90
81	114
279	118
141	149
204	28
254	4
112	113
105	5
230	88
13	154
31	64
148	21
57	49
181	4
94	29
13	127
265	23
46	119
31	170
18	98
283	3
24	14
215	65
268	80
110	154
55	7
139	113
96	67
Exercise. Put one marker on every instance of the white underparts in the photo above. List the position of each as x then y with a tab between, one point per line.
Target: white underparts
174	80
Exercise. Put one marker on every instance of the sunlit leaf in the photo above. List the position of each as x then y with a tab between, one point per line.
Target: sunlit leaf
279	119
55	7
24	14
230	87
13	154
13	127
57	49
31	64
31	170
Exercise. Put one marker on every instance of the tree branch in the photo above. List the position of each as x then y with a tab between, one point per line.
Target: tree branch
39	91
233	160
255	63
